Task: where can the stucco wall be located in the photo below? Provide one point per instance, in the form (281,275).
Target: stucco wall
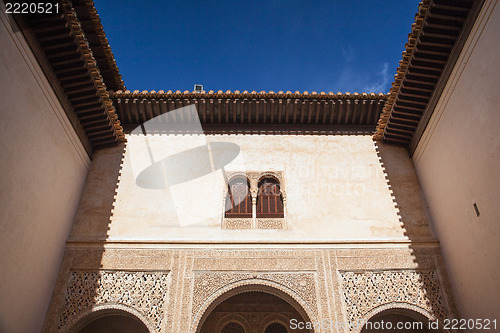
(338,188)
(457,161)
(43,168)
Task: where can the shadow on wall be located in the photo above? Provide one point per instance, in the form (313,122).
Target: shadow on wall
(432,283)
(76,292)
(99,194)
(201,160)
(403,183)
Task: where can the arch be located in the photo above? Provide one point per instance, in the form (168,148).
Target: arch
(232,327)
(244,286)
(271,174)
(233,318)
(269,198)
(398,308)
(236,174)
(276,327)
(103,310)
(238,200)
(273,319)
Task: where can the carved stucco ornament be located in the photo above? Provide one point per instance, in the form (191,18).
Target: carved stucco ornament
(145,292)
(417,290)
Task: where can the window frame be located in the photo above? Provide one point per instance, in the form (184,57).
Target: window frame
(264,197)
(276,222)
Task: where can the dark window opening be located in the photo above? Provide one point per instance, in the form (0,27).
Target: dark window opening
(276,328)
(233,328)
(238,199)
(269,199)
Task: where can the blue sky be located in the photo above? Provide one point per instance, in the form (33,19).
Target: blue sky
(346,46)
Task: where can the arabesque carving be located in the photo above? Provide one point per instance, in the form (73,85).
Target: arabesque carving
(144,291)
(238,223)
(270,223)
(363,291)
(208,283)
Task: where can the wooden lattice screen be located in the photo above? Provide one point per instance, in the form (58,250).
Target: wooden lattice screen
(239,200)
(269,199)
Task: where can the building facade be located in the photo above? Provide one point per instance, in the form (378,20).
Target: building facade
(244,211)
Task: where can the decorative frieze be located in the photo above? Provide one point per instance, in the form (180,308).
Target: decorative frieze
(264,223)
(247,223)
(237,223)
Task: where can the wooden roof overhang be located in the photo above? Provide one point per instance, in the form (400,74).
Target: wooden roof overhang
(98,43)
(63,51)
(264,112)
(437,37)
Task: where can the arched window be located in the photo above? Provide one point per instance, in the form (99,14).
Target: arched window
(238,199)
(111,321)
(232,328)
(269,199)
(408,320)
(276,328)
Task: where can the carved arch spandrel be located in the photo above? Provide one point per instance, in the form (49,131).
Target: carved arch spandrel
(364,291)
(144,291)
(249,283)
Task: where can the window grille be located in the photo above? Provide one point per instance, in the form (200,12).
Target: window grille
(269,199)
(239,200)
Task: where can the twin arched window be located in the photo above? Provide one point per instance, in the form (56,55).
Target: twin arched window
(269,202)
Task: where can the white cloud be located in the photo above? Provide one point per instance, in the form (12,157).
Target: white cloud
(381,84)
(347,53)
(353,79)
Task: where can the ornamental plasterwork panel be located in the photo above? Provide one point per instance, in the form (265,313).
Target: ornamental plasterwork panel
(207,284)
(269,223)
(301,283)
(373,259)
(145,292)
(363,291)
(248,223)
(238,223)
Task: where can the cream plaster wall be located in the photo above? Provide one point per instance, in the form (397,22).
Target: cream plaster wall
(457,161)
(43,167)
(336,190)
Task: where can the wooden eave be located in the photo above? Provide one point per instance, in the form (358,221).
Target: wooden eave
(91,25)
(252,112)
(64,54)
(440,29)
